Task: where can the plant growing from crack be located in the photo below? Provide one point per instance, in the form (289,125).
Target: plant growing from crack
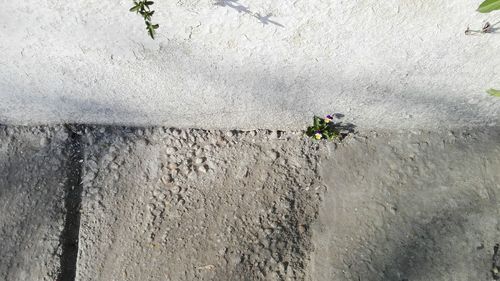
(323,128)
(143,8)
(487,6)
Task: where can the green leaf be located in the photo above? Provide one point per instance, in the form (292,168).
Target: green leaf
(149,3)
(151,29)
(493,92)
(310,131)
(489,6)
(316,122)
(147,15)
(135,8)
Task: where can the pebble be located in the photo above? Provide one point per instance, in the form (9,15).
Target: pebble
(302,229)
(203,169)
(170,150)
(272,154)
(183,135)
(44,142)
(393,209)
(181,202)
(166,179)
(273,134)
(64,136)
(191,175)
(172,166)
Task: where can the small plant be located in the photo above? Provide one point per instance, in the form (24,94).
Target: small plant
(143,7)
(486,7)
(323,128)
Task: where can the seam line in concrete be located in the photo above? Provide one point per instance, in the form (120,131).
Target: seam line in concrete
(72,202)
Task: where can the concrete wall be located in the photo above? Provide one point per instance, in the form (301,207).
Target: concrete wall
(396,63)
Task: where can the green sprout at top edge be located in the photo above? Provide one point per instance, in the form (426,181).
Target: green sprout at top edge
(143,8)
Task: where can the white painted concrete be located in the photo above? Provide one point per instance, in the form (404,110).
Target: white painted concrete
(396,63)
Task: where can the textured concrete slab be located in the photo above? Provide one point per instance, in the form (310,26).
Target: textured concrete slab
(197,205)
(33,177)
(411,206)
(169,204)
(248,64)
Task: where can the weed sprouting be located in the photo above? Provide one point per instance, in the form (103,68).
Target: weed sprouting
(323,128)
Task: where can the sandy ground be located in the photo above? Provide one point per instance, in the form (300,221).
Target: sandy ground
(169,204)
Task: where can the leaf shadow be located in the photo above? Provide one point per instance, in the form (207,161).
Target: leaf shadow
(240,8)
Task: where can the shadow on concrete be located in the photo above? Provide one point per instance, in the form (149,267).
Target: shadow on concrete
(77,107)
(419,254)
(344,128)
(240,8)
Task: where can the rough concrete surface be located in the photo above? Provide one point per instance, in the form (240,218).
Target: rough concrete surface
(197,205)
(33,176)
(170,204)
(248,64)
(206,205)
